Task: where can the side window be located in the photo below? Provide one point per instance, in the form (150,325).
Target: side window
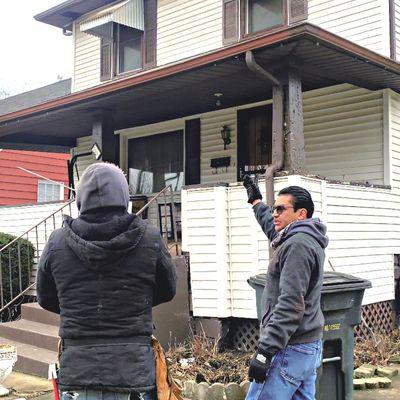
(264,14)
(128,49)
(48,191)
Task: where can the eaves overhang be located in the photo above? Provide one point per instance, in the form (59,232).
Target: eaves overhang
(64,14)
(322,56)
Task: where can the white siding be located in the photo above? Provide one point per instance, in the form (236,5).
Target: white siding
(363,227)
(186,28)
(212,145)
(343,130)
(395,139)
(16,220)
(86,60)
(397,27)
(365,22)
(204,224)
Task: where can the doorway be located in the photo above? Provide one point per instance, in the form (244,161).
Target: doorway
(254,151)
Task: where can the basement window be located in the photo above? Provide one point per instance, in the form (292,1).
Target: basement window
(49,191)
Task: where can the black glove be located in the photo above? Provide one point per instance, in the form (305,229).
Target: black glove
(259,365)
(253,192)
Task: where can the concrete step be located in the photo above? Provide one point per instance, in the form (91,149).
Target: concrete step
(32,333)
(31,359)
(33,312)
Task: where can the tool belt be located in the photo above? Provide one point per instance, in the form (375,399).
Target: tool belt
(105,340)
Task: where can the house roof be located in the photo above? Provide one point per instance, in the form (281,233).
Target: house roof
(35,97)
(65,13)
(187,87)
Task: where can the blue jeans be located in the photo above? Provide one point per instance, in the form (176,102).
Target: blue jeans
(106,395)
(292,374)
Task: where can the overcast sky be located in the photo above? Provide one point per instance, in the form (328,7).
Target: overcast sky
(33,54)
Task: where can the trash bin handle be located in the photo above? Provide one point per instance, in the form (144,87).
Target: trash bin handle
(332,359)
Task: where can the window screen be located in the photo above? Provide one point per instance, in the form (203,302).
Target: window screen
(155,162)
(48,191)
(264,14)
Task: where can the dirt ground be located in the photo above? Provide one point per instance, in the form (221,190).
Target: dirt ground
(392,393)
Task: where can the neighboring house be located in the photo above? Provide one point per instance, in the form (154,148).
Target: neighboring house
(20,187)
(157,85)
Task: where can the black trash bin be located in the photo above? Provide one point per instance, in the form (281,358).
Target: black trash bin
(341,298)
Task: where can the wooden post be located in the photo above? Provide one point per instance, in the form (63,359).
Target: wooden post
(103,135)
(295,149)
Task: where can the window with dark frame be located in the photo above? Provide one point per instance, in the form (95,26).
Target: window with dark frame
(130,49)
(263,14)
(154,162)
(248,17)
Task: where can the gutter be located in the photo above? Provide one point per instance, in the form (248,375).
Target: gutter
(277,124)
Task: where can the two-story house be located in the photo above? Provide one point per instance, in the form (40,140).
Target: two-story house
(197,93)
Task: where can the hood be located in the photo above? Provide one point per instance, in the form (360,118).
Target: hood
(101,241)
(102,185)
(312,226)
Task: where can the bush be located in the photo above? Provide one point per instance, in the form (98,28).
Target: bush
(21,252)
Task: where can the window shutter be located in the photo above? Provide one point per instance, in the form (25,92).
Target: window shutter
(105,60)
(150,34)
(298,11)
(192,152)
(230,21)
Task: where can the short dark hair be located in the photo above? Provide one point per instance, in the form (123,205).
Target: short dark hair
(301,198)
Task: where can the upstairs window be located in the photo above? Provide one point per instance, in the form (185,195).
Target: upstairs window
(264,14)
(129,49)
(48,191)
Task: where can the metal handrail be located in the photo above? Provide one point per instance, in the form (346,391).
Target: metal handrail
(18,296)
(35,226)
(68,204)
(153,199)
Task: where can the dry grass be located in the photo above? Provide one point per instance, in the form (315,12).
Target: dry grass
(377,349)
(209,364)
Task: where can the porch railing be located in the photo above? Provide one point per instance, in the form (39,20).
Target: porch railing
(21,277)
(21,270)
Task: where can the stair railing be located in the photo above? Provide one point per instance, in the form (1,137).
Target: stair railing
(11,301)
(20,274)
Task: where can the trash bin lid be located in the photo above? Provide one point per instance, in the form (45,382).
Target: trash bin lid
(337,282)
(257,280)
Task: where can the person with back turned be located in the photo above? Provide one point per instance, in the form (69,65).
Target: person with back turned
(289,351)
(103,272)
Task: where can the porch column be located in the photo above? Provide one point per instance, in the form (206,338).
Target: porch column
(103,136)
(295,160)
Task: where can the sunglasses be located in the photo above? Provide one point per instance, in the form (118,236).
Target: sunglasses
(280,209)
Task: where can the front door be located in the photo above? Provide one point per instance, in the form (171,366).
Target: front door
(254,140)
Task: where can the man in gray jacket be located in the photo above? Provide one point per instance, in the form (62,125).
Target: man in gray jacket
(290,347)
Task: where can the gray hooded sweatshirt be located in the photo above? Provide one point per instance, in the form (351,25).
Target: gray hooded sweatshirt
(292,294)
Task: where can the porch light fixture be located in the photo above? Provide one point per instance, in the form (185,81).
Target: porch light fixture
(226,135)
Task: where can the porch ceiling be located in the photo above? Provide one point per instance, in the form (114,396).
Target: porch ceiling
(187,88)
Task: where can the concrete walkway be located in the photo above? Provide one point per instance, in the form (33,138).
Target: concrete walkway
(33,387)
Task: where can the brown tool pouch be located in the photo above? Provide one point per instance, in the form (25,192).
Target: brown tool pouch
(167,388)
